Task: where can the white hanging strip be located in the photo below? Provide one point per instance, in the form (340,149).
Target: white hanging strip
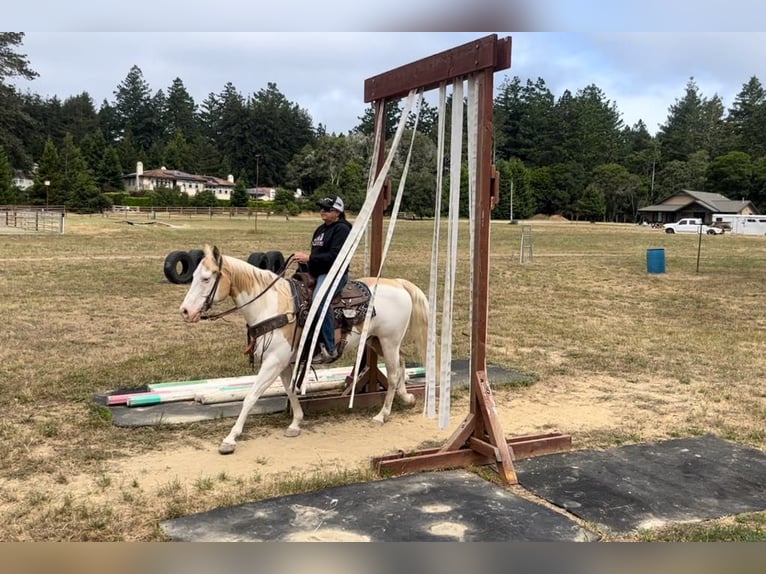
(349,247)
(384,253)
(456,148)
(429,406)
(473,115)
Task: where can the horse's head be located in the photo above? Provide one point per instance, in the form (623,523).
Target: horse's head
(209,285)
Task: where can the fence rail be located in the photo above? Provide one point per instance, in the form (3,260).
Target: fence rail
(128,212)
(31,219)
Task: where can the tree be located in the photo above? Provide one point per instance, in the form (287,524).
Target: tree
(7,194)
(177,154)
(79,116)
(48,170)
(134,110)
(109,174)
(180,111)
(205,198)
(617,189)
(353,186)
(239,196)
(731,175)
(284,203)
(693,123)
(514,187)
(673,178)
(592,204)
(746,119)
(13,119)
(391,114)
(79,189)
(278,129)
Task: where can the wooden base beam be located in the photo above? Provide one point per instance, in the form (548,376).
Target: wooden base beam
(525,446)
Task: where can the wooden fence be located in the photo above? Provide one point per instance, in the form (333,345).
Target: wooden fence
(31,219)
(131,212)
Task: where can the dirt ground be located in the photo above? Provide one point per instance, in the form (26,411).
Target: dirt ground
(591,409)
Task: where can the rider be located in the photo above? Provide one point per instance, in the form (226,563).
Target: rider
(326,244)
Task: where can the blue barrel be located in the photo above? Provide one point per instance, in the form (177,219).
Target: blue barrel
(655,261)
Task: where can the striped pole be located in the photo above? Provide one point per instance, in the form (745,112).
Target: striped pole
(176,391)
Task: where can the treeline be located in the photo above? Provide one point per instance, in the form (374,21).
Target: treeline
(570,155)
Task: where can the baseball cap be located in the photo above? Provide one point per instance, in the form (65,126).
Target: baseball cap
(331,202)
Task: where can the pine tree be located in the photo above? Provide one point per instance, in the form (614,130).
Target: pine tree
(180,111)
(80,191)
(239,196)
(110,173)
(7,194)
(49,169)
(133,109)
(13,119)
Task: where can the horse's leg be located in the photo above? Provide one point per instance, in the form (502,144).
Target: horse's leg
(395,375)
(267,374)
(295,426)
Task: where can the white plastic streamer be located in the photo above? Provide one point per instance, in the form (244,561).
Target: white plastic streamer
(349,248)
(456,148)
(429,406)
(386,245)
(473,115)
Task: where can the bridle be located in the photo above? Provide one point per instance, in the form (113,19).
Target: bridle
(209,298)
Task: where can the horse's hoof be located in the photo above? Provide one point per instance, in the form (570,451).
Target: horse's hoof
(378,420)
(409,399)
(226,448)
(291,432)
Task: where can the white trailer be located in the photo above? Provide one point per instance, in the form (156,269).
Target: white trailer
(741,224)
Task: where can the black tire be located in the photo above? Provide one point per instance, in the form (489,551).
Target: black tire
(711,232)
(258,259)
(669,230)
(172,261)
(196,255)
(276,261)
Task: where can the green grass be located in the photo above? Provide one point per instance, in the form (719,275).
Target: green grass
(678,354)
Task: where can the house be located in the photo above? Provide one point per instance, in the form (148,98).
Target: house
(188,183)
(262,193)
(688,203)
(22,180)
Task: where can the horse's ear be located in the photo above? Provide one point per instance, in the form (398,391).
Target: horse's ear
(208,252)
(216,253)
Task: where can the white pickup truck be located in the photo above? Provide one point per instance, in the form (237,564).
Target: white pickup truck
(691,225)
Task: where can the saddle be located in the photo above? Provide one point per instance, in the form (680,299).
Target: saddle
(349,307)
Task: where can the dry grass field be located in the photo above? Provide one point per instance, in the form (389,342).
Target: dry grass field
(618,356)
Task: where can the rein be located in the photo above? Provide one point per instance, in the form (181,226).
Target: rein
(209,299)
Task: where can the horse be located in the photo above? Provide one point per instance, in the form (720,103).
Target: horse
(260,295)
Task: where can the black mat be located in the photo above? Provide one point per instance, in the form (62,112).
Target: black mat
(183,412)
(647,485)
(443,506)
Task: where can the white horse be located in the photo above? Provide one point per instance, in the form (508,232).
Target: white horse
(261,295)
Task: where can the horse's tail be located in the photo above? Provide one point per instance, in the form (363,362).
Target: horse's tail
(418,329)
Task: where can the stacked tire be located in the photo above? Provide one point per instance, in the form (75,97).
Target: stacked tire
(271,260)
(179,266)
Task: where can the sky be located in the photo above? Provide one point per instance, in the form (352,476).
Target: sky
(640,54)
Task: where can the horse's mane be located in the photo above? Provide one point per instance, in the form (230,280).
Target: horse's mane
(245,277)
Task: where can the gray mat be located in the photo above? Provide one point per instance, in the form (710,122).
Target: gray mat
(647,485)
(443,506)
(182,412)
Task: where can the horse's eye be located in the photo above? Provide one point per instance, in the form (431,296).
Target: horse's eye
(205,279)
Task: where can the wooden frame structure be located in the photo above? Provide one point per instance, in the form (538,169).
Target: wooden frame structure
(479,439)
